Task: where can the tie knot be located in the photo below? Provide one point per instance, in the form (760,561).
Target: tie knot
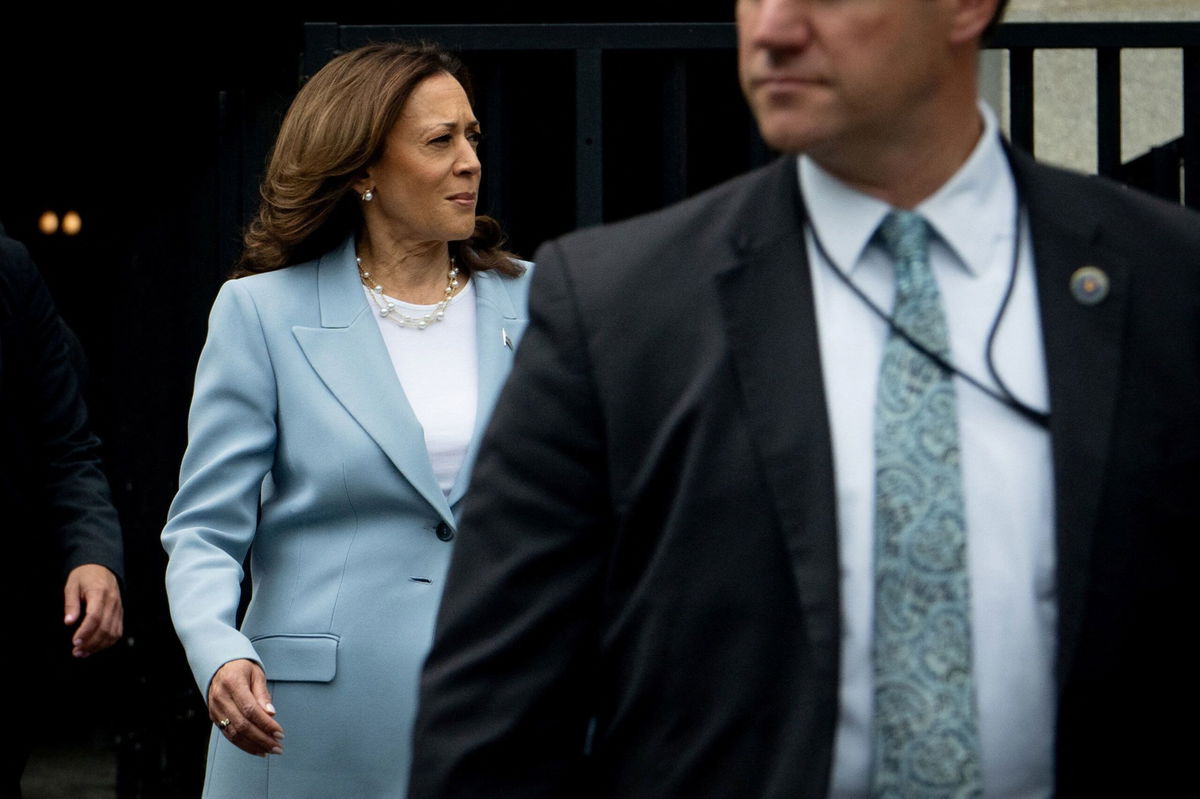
(905,235)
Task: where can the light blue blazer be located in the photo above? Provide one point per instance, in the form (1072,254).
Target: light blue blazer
(304,452)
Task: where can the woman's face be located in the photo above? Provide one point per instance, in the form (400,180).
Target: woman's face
(427,180)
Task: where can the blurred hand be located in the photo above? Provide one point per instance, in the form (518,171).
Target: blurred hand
(92,589)
(238,694)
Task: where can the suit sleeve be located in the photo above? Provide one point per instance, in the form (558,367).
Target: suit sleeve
(506,691)
(44,368)
(212,521)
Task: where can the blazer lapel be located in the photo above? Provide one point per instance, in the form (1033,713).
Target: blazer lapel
(498,330)
(770,323)
(349,355)
(1083,345)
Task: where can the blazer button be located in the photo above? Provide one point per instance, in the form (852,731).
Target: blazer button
(444,533)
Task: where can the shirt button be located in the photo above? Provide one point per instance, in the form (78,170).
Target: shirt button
(444,533)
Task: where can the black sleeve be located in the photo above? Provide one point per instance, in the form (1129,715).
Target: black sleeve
(52,450)
(507,690)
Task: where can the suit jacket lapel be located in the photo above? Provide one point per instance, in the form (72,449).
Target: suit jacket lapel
(770,324)
(498,330)
(349,355)
(1083,345)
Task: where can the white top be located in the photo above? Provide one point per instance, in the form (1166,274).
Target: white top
(438,369)
(1006,459)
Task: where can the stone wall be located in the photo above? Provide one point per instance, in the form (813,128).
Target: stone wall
(1065,81)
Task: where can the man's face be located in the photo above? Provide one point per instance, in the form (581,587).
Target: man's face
(837,76)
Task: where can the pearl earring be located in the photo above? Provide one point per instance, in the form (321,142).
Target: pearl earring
(368,195)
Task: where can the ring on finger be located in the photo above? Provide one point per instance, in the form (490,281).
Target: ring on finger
(223,724)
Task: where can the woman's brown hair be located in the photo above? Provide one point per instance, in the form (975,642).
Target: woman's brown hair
(336,127)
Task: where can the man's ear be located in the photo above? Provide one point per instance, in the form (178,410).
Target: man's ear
(970,19)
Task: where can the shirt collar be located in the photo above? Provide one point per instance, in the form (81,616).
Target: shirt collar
(969,213)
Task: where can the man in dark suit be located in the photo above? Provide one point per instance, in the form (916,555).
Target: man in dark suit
(677,573)
(59,522)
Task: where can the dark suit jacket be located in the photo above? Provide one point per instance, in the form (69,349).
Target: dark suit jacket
(54,499)
(648,566)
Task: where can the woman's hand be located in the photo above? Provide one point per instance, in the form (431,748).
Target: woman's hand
(240,705)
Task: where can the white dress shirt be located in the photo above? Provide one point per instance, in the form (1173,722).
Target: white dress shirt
(1006,459)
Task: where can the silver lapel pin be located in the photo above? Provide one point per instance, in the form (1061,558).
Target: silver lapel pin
(505,339)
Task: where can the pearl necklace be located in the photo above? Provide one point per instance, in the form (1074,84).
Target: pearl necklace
(387,308)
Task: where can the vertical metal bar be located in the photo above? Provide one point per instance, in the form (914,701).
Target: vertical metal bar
(1020,96)
(1108,111)
(589,127)
(757,150)
(1191,126)
(320,45)
(675,140)
(229,182)
(497,169)
(1165,164)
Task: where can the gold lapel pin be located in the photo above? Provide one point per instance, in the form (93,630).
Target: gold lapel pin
(1089,285)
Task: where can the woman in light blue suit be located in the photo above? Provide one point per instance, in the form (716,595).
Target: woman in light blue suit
(338,404)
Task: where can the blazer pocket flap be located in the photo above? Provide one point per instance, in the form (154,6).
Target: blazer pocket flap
(298,658)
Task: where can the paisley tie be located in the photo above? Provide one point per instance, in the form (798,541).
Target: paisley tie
(925,736)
